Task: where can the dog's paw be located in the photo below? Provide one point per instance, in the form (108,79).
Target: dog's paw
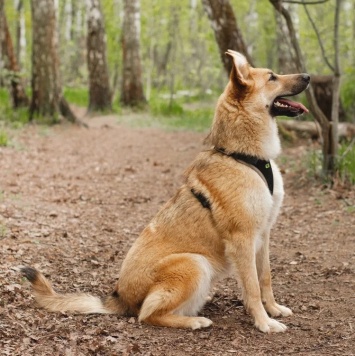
(200,322)
(271,326)
(278,310)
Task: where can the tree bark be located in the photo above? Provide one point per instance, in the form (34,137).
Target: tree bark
(132,84)
(334,135)
(99,86)
(284,48)
(18,94)
(226,30)
(19,31)
(313,105)
(47,98)
(323,91)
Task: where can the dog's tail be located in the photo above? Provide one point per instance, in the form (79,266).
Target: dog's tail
(81,303)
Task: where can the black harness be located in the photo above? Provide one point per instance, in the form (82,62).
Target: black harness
(202,199)
(261,166)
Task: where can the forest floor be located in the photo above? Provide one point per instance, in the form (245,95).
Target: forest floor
(73,200)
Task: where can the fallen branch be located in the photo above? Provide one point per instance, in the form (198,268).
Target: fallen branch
(312,129)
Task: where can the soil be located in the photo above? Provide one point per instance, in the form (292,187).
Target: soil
(72,201)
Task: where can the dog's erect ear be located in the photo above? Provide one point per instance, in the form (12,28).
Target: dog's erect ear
(240,70)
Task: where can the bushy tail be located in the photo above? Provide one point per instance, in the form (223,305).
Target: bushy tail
(80,303)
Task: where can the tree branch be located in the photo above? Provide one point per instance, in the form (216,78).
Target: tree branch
(300,64)
(318,37)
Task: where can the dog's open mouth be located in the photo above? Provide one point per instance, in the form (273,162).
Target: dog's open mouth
(285,107)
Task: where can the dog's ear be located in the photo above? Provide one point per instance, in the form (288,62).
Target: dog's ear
(240,70)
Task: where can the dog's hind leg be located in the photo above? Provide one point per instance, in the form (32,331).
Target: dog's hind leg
(180,289)
(264,275)
(241,251)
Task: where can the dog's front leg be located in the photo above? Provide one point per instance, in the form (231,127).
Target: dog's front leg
(264,275)
(241,251)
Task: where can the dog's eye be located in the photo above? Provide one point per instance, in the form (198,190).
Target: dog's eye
(272,77)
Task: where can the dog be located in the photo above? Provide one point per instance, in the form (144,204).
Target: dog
(217,223)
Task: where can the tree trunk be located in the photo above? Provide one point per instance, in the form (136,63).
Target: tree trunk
(226,30)
(99,86)
(18,94)
(47,98)
(284,48)
(323,86)
(313,105)
(334,135)
(20,28)
(132,83)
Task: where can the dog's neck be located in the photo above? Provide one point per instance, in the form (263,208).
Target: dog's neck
(261,166)
(237,130)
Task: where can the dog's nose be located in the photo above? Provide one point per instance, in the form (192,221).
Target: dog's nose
(306,77)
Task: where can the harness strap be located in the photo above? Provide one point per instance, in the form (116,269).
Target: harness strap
(201,198)
(261,166)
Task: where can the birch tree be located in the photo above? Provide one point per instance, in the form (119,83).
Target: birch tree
(99,86)
(226,30)
(132,83)
(47,98)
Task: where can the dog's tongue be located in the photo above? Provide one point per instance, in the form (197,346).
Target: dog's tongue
(293,104)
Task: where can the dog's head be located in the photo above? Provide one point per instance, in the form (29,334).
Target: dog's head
(244,118)
(261,90)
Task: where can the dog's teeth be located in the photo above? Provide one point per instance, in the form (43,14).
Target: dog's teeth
(276,103)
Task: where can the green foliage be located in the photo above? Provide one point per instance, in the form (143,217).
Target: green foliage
(186,113)
(346,162)
(196,120)
(348,94)
(314,163)
(3,138)
(77,96)
(16,118)
(159,107)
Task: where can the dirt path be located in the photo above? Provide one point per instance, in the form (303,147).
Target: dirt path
(73,200)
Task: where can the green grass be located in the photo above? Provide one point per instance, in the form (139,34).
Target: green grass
(77,96)
(195,120)
(178,114)
(15,118)
(80,97)
(4,140)
(346,162)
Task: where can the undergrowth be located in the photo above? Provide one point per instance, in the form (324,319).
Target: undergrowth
(80,97)
(345,163)
(15,118)
(185,114)
(4,140)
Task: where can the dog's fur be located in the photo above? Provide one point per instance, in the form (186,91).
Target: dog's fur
(168,272)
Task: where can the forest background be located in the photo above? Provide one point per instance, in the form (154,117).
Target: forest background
(181,66)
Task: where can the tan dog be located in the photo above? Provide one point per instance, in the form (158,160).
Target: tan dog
(218,221)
